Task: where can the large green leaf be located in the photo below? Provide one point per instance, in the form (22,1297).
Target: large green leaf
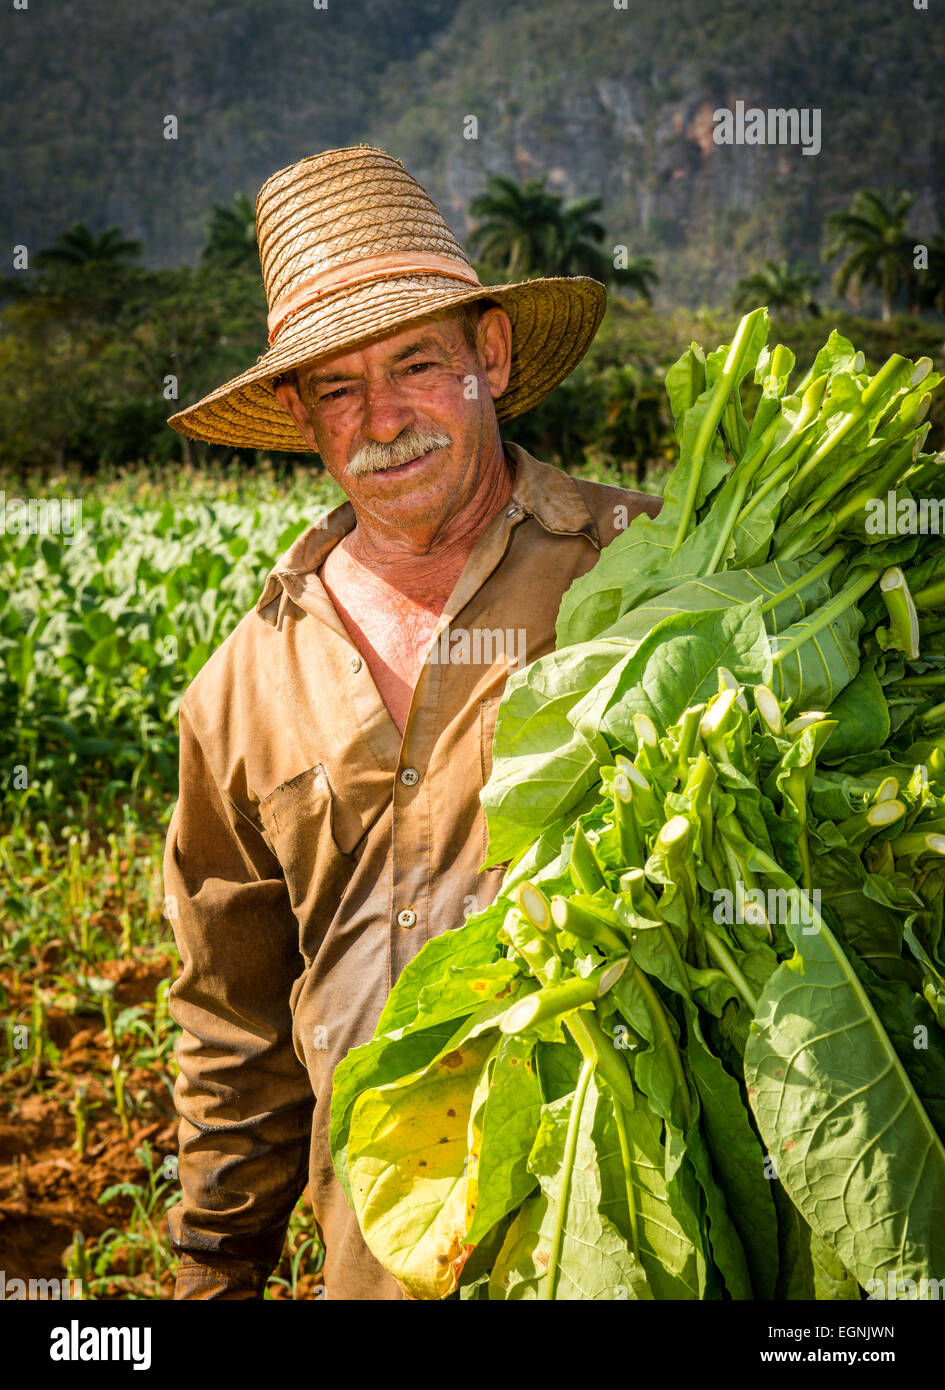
(409,1166)
(674,1264)
(451,978)
(499,1176)
(814,673)
(635,567)
(862,716)
(541,766)
(595,1262)
(725,590)
(677,666)
(737,1160)
(472,946)
(854,1146)
(382,1060)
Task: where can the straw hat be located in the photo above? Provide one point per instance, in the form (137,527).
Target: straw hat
(353,248)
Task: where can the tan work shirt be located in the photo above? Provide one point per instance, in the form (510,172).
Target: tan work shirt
(313,852)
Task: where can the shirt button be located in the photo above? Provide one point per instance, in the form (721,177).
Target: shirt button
(355,663)
(407,917)
(410,777)
(512,511)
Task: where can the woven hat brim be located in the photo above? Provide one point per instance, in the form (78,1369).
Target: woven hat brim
(553,323)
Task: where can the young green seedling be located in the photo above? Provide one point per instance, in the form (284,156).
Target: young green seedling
(36,1028)
(81,1119)
(108,1015)
(121,1103)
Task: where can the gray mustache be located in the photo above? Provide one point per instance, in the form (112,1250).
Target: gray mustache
(375,457)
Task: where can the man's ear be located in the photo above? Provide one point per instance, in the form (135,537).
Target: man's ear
(291,402)
(494,348)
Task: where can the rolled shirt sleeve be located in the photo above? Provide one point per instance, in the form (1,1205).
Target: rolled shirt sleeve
(244,1099)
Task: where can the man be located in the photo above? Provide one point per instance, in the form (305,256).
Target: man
(333,749)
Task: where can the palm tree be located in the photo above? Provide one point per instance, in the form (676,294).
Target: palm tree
(80,247)
(638,274)
(518,226)
(872,236)
(231,235)
(578,249)
(525,231)
(785,289)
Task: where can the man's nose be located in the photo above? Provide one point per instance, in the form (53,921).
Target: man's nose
(385,412)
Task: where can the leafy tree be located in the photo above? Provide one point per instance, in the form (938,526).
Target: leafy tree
(81,247)
(518,226)
(784,288)
(525,231)
(96,359)
(231,236)
(578,240)
(871,234)
(638,274)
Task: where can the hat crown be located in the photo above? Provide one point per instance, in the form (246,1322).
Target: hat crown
(342,207)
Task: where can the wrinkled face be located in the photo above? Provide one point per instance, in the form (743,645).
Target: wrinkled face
(406,424)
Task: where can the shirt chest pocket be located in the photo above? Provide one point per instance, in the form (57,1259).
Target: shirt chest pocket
(299,823)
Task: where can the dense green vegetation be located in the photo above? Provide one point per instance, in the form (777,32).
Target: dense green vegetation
(98,640)
(101,632)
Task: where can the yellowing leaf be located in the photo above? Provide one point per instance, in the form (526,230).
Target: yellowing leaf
(409,1173)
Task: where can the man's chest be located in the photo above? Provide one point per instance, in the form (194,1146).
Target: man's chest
(391,630)
(392,634)
(315,687)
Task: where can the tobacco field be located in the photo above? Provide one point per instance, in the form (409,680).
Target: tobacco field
(99,639)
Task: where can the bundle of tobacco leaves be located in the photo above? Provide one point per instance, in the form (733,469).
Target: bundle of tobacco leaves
(696,1048)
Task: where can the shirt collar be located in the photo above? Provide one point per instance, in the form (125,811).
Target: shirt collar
(551,496)
(539,489)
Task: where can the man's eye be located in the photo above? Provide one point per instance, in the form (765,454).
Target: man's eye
(420,366)
(334,395)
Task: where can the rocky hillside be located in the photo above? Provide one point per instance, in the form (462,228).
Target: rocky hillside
(616,102)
